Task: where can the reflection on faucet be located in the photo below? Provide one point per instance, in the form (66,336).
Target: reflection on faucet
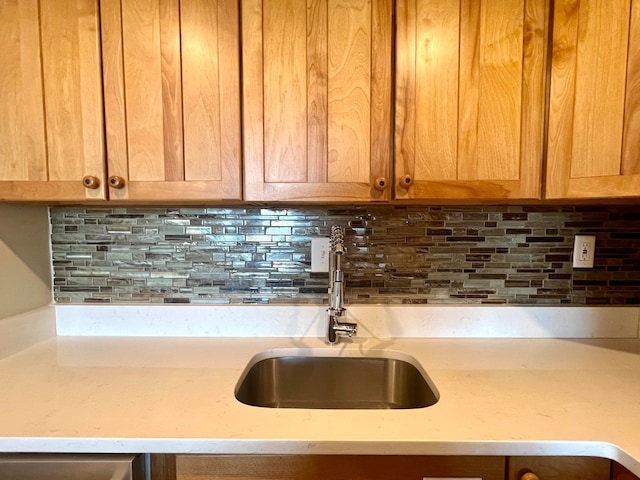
(336,328)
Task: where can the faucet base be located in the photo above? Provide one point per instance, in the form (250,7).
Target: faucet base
(337,329)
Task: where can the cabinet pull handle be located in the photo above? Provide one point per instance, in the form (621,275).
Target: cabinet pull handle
(406,181)
(380,183)
(116,182)
(91,182)
(529,476)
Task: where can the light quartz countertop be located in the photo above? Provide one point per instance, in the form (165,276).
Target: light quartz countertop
(74,392)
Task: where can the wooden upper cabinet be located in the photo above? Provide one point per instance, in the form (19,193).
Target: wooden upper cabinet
(317,99)
(470,81)
(172,99)
(594,107)
(51,127)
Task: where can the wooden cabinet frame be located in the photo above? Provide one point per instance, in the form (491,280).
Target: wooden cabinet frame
(51,132)
(470,99)
(172,99)
(317,126)
(594,105)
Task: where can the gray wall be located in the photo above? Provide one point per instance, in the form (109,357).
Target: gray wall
(25,263)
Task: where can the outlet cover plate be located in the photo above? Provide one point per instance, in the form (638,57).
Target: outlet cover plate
(319,254)
(584,248)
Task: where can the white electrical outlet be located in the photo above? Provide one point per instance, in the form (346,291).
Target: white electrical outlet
(319,254)
(584,248)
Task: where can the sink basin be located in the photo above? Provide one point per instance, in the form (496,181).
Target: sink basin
(335,382)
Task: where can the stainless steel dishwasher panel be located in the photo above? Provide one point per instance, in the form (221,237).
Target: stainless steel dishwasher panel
(30,466)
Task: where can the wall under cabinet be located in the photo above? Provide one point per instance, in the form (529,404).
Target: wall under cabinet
(25,265)
(395,254)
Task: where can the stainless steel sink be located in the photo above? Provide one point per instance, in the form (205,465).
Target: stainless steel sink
(336,382)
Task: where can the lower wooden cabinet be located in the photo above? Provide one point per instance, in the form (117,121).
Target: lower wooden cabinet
(558,468)
(325,467)
(618,472)
(383,467)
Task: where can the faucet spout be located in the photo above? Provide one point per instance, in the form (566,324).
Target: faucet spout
(336,328)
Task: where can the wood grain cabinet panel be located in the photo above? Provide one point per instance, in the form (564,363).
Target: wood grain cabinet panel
(172,99)
(51,133)
(383,467)
(326,467)
(618,472)
(558,468)
(594,105)
(469,98)
(317,99)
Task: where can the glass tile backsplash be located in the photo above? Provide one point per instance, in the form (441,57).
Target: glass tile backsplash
(395,254)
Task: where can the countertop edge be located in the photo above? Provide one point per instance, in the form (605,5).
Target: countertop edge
(288,447)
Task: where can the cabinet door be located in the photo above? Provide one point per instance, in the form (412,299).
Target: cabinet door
(51,128)
(317,99)
(594,110)
(172,99)
(331,467)
(558,468)
(469,98)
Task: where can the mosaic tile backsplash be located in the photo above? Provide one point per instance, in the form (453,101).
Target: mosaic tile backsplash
(395,254)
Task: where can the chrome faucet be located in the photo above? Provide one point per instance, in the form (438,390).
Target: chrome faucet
(336,310)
